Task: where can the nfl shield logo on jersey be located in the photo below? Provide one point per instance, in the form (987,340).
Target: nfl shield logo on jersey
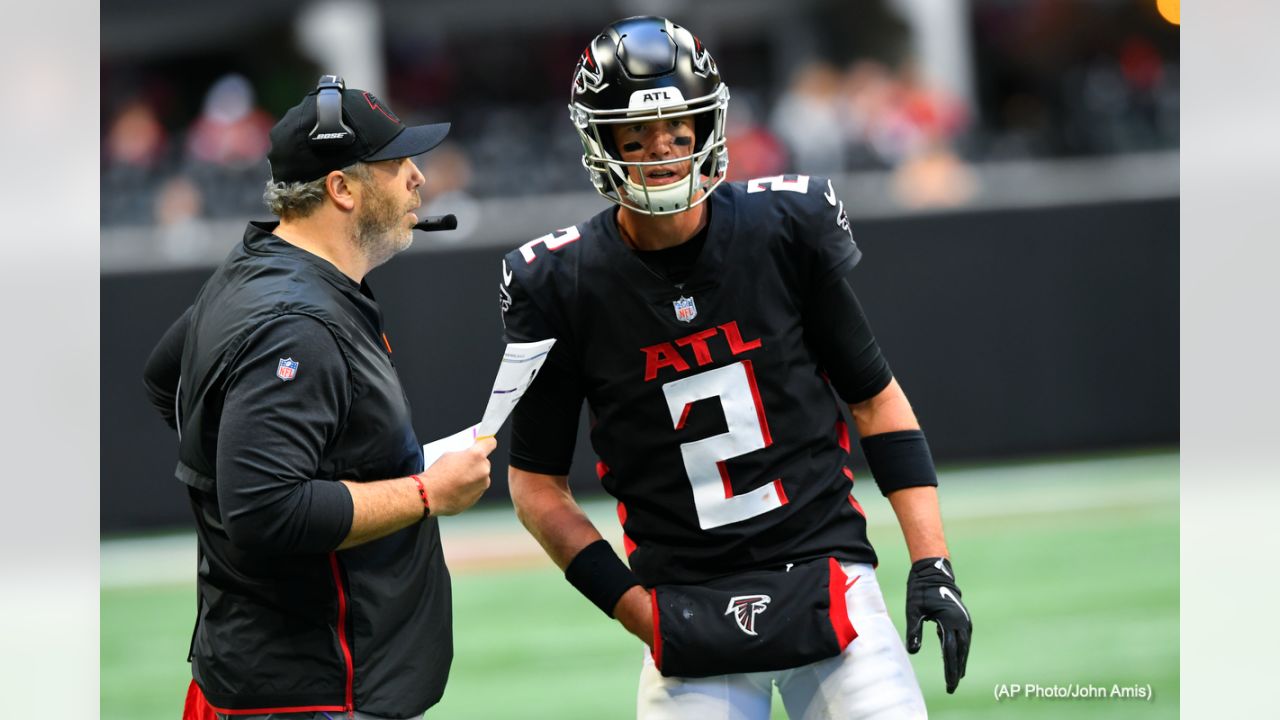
(287,369)
(686,311)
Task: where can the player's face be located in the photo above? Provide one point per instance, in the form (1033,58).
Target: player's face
(669,139)
(385,220)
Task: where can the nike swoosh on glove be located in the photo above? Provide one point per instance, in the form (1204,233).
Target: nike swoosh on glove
(932,595)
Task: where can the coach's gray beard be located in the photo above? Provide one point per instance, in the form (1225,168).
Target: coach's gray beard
(380,228)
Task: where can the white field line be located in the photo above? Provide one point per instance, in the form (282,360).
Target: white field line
(493,538)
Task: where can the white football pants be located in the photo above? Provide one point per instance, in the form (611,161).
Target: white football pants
(872,678)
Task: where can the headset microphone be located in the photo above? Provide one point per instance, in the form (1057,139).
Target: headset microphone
(437,222)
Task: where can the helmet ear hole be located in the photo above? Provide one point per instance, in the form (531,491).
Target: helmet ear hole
(608,145)
(703,126)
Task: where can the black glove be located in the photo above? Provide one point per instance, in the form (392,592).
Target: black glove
(932,595)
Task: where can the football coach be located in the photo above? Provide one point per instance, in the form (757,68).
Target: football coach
(321,586)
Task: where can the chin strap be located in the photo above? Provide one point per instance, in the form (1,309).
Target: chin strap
(666,198)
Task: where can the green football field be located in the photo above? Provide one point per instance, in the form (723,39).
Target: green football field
(1069,567)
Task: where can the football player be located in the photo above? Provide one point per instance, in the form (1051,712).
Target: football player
(712,332)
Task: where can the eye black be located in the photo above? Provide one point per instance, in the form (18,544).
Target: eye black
(683,140)
(632,146)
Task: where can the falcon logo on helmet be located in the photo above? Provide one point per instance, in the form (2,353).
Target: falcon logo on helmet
(640,70)
(745,608)
(703,63)
(588,76)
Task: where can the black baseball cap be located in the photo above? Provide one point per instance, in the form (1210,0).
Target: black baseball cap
(334,127)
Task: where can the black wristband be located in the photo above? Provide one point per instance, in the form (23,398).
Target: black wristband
(900,460)
(599,574)
(933,566)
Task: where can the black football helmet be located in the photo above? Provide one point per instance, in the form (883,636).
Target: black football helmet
(638,70)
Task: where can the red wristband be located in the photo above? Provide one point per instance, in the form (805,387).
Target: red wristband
(422,490)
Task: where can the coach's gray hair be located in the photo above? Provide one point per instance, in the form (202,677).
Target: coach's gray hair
(294,200)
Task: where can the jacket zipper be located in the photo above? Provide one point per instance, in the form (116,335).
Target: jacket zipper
(349,704)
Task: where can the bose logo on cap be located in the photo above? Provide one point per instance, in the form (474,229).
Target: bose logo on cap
(330,136)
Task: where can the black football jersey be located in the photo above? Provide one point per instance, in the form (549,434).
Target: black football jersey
(715,427)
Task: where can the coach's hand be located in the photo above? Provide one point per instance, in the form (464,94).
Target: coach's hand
(635,611)
(932,595)
(457,480)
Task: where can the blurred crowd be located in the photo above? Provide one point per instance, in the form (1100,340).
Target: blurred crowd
(824,118)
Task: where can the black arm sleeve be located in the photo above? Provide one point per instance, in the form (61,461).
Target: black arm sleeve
(273,434)
(838,331)
(544,425)
(164,367)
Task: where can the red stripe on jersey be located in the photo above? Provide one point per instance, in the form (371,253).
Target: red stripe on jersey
(342,634)
(755,395)
(627,545)
(842,435)
(657,632)
(601,469)
(837,585)
(684,416)
(854,502)
(728,486)
(724,478)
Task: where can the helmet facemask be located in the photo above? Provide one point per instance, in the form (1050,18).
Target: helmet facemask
(708,163)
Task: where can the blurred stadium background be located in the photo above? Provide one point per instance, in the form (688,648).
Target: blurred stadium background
(1011,171)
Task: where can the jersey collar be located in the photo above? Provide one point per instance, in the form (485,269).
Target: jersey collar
(706,270)
(260,240)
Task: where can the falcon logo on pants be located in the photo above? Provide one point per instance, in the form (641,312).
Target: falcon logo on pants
(745,609)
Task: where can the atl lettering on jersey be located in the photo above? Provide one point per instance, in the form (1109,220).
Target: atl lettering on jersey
(666,354)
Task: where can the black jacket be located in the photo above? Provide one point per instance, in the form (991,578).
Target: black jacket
(286,386)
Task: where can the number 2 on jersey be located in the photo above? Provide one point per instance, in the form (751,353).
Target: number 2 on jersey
(704,460)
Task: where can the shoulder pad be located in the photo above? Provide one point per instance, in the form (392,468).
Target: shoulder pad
(547,244)
(780,183)
(793,191)
(799,199)
(537,263)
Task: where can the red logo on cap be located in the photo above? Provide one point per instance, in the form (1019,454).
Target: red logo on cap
(374,104)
